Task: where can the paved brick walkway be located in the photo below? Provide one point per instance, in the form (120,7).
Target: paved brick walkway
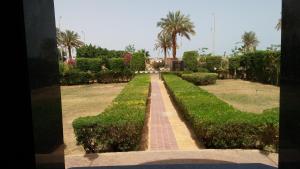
(161,134)
(167,131)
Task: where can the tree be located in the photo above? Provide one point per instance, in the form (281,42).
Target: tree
(176,24)
(250,41)
(163,42)
(278,25)
(87,51)
(145,52)
(70,39)
(190,59)
(137,62)
(130,48)
(59,43)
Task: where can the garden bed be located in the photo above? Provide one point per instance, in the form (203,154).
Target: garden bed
(219,125)
(120,126)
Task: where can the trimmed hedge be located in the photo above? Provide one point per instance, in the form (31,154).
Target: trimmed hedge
(219,125)
(116,64)
(89,64)
(261,66)
(201,78)
(109,76)
(119,127)
(75,77)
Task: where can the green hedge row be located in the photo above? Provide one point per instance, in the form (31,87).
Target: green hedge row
(119,127)
(260,66)
(76,77)
(201,78)
(219,125)
(89,64)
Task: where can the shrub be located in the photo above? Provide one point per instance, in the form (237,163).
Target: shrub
(109,76)
(75,76)
(190,60)
(217,124)
(213,62)
(119,127)
(202,69)
(127,58)
(261,66)
(180,73)
(201,78)
(87,51)
(116,64)
(89,64)
(91,51)
(138,62)
(234,64)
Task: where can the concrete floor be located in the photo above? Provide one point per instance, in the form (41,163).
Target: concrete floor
(203,156)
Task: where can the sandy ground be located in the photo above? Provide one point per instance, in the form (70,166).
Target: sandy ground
(245,95)
(84,100)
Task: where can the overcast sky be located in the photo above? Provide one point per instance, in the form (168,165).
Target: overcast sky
(114,24)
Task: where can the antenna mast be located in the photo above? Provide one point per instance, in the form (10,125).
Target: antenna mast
(214,34)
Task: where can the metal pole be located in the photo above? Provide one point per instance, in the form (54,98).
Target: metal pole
(83,36)
(214,36)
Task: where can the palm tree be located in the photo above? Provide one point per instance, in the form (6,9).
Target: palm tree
(176,24)
(69,39)
(145,52)
(278,25)
(58,40)
(163,42)
(250,41)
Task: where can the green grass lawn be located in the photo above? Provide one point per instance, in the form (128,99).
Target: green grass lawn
(84,100)
(246,96)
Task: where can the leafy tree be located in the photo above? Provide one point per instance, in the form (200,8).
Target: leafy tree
(138,62)
(145,52)
(213,63)
(234,64)
(130,48)
(87,51)
(274,48)
(190,59)
(175,24)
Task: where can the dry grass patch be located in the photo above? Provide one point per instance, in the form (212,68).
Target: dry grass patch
(246,96)
(84,100)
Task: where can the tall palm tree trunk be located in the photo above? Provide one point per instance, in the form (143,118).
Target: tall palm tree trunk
(165,57)
(70,54)
(165,54)
(174,45)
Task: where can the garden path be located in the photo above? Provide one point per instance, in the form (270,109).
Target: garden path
(167,131)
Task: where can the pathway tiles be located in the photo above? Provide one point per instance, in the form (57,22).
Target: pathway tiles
(167,129)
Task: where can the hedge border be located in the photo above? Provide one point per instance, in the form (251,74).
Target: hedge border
(265,130)
(106,132)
